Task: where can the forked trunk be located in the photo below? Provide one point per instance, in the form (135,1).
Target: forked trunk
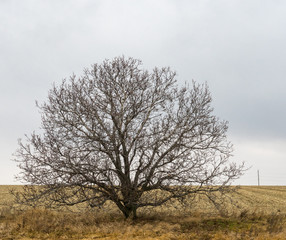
(127,211)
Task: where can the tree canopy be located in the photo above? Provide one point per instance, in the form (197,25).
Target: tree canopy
(124,134)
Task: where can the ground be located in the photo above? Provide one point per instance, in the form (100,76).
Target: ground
(254,213)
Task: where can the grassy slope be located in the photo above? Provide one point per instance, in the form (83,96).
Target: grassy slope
(259,214)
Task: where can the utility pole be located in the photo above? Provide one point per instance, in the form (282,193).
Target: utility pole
(258,180)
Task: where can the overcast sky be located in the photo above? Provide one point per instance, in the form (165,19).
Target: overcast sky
(237,47)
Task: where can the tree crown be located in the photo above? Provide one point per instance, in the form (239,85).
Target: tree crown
(121,133)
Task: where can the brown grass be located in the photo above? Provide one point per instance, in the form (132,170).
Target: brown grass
(259,213)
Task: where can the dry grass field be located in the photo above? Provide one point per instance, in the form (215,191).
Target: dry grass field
(255,213)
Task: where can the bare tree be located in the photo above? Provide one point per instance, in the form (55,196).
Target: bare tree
(126,135)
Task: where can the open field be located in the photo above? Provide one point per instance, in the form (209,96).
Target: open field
(256,213)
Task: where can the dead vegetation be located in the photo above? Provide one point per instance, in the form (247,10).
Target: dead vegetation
(257,213)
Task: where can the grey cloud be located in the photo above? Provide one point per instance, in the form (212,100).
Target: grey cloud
(238,47)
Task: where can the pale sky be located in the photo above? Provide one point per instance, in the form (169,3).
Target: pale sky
(238,47)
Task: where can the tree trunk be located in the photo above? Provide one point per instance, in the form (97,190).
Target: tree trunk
(126,214)
(128,210)
(134,213)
